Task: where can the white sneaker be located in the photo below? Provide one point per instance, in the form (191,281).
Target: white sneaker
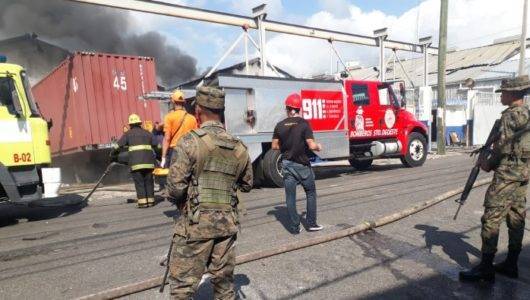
(205,277)
(315,228)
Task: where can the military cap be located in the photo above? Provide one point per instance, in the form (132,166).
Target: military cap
(210,97)
(519,83)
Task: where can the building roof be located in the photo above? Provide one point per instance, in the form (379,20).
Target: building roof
(229,70)
(460,65)
(29,37)
(35,55)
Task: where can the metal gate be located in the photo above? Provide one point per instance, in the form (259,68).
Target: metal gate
(487,109)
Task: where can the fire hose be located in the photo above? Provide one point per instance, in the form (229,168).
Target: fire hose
(261,254)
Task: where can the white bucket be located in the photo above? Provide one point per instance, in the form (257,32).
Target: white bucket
(51,178)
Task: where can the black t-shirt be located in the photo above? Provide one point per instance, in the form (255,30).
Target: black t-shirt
(293,133)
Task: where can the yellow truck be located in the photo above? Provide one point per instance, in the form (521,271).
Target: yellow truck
(24,143)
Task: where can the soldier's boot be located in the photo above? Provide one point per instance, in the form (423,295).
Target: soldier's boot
(482,272)
(142,203)
(150,201)
(509,266)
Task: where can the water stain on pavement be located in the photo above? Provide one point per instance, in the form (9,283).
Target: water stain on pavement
(100,225)
(399,258)
(40,236)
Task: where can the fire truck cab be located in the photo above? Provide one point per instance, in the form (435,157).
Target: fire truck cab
(24,144)
(380,127)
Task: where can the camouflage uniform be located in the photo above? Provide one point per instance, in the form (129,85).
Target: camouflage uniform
(506,196)
(207,168)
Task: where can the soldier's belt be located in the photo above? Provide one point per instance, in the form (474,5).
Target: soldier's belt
(214,206)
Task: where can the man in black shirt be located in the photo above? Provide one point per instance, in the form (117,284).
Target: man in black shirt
(294,138)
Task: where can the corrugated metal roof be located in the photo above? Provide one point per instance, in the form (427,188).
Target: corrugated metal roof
(480,63)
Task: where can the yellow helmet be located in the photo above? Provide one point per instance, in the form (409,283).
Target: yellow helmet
(134,119)
(177,96)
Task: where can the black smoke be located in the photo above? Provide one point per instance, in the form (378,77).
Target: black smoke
(83,27)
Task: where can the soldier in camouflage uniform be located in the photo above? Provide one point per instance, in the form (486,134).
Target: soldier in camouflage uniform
(506,195)
(208,167)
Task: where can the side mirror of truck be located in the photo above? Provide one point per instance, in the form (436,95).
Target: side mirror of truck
(16,103)
(403,94)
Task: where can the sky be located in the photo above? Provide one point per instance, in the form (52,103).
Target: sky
(472,23)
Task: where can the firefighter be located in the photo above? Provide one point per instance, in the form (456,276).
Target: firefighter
(208,168)
(177,123)
(294,138)
(139,143)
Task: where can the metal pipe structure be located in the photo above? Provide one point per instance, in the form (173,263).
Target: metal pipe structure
(425,42)
(181,11)
(339,57)
(394,68)
(224,56)
(522,55)
(404,71)
(382,65)
(260,14)
(257,48)
(247,67)
(381,35)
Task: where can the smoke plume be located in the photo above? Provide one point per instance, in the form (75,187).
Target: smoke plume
(90,28)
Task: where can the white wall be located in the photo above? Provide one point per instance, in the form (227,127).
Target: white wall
(487,109)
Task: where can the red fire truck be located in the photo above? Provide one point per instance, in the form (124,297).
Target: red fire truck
(353,119)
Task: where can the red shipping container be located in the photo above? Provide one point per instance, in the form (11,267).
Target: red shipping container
(89,97)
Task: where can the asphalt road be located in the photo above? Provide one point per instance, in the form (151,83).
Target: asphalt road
(63,253)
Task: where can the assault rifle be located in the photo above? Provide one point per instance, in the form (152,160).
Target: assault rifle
(166,261)
(485,154)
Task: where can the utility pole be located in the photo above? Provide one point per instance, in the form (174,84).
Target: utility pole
(522,57)
(442,50)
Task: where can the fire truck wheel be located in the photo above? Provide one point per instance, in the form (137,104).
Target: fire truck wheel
(259,175)
(361,165)
(272,168)
(416,151)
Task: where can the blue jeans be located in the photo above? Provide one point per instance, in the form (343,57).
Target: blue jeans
(294,174)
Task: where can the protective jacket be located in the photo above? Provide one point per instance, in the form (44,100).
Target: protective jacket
(139,144)
(209,167)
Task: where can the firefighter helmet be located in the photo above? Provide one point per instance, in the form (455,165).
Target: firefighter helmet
(134,119)
(293,101)
(177,96)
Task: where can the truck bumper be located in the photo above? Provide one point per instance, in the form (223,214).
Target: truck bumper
(21,185)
